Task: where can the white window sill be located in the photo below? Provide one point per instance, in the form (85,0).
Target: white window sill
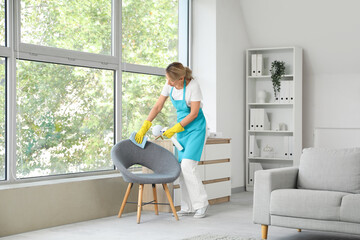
(24,183)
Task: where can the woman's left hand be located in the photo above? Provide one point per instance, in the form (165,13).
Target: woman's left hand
(175,129)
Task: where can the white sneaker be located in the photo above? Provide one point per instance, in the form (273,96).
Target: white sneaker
(184,213)
(200,213)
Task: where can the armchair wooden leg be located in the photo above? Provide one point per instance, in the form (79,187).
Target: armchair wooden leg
(264,231)
(170,201)
(155,199)
(125,199)
(141,189)
(299,230)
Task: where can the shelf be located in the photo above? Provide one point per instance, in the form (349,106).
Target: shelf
(267,158)
(271,132)
(285,77)
(277,105)
(271,49)
(275,160)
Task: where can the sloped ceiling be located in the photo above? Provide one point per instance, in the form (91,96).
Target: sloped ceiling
(327,30)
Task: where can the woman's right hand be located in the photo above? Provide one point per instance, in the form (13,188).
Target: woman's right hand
(141,133)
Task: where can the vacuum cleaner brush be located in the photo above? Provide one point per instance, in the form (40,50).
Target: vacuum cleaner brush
(142,145)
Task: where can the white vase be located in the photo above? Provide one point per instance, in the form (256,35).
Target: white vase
(277,97)
(261,96)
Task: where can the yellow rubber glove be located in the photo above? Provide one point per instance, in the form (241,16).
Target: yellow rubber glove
(175,129)
(141,133)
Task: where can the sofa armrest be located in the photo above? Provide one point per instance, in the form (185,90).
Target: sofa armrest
(265,182)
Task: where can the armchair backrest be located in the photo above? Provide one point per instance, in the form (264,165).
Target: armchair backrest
(330,169)
(125,154)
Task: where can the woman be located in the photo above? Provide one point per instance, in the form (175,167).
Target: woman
(185,94)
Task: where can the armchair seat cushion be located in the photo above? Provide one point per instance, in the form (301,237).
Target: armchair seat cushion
(350,208)
(150,178)
(304,203)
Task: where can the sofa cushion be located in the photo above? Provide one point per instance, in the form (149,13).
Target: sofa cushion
(350,208)
(302,203)
(330,169)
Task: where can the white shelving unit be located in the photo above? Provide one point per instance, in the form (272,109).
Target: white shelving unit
(286,144)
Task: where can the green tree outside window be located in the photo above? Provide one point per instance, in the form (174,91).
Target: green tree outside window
(2,23)
(150,32)
(140,93)
(68,24)
(65,119)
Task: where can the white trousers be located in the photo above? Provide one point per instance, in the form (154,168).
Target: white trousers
(193,194)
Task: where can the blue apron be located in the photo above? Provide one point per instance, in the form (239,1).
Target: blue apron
(192,139)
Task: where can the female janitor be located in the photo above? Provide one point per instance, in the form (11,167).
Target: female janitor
(185,94)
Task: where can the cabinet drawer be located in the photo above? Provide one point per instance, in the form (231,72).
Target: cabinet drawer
(213,190)
(218,190)
(177,197)
(217,151)
(218,170)
(200,169)
(202,158)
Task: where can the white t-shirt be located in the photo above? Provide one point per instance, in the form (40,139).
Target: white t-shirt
(192,93)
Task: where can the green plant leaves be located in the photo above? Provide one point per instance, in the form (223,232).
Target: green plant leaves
(277,71)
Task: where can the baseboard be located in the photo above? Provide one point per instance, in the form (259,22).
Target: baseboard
(238,190)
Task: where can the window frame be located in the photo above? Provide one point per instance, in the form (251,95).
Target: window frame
(15,50)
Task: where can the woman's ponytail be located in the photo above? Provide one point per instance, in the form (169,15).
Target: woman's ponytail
(188,74)
(176,70)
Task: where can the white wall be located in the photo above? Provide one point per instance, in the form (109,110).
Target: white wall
(231,42)
(329,33)
(31,206)
(219,42)
(204,54)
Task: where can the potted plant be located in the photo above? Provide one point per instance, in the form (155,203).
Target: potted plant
(277,71)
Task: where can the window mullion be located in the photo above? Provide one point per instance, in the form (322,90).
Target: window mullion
(11,119)
(14,24)
(56,55)
(184,32)
(142,69)
(11,93)
(66,60)
(5,51)
(117,52)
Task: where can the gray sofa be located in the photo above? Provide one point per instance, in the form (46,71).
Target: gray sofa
(323,193)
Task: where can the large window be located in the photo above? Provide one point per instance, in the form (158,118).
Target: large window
(78,76)
(65,119)
(75,25)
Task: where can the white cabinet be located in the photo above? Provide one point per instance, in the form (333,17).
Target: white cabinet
(215,171)
(274,126)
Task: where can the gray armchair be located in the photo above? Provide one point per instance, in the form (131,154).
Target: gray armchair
(322,194)
(162,162)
